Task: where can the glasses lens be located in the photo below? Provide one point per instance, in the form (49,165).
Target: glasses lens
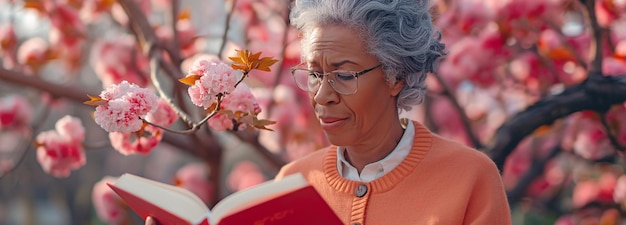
(306,80)
(345,82)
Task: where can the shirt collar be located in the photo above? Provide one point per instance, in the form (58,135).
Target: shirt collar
(379,168)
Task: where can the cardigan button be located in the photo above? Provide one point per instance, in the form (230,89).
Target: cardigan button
(360,190)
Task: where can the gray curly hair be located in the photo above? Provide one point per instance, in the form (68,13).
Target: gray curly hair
(400,33)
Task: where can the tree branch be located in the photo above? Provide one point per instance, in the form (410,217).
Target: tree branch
(596,93)
(455,103)
(56,90)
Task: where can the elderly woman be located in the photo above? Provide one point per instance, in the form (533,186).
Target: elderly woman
(363,62)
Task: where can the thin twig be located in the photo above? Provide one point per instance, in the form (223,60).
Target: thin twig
(191,130)
(157,85)
(596,49)
(457,107)
(279,71)
(610,133)
(536,169)
(175,53)
(579,59)
(229,14)
(38,125)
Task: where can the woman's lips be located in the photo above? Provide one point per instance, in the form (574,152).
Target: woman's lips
(329,123)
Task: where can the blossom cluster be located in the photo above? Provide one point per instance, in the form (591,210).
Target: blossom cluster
(59,151)
(215,78)
(240,102)
(124,105)
(143,142)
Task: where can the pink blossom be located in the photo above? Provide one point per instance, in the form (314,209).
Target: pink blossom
(616,65)
(126,103)
(71,128)
(69,47)
(619,194)
(8,45)
(92,9)
(584,193)
(241,100)
(216,78)
(565,220)
(34,52)
(58,155)
(244,175)
(15,112)
(195,178)
(108,205)
(67,20)
(118,60)
(586,136)
(164,115)
(475,58)
(133,143)
(186,36)
(221,122)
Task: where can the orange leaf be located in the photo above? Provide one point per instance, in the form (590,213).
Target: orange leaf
(95,101)
(265,63)
(184,14)
(260,124)
(190,80)
(238,67)
(254,57)
(38,144)
(211,108)
(543,130)
(35,5)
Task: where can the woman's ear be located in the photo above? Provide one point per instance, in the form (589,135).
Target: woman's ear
(396,87)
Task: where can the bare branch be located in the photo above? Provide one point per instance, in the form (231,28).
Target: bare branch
(27,80)
(596,93)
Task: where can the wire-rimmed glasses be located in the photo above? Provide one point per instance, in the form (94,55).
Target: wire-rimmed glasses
(342,81)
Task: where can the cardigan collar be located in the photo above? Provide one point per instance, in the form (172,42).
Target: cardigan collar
(422,142)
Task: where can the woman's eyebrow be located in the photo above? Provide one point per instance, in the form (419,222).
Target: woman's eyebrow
(338,64)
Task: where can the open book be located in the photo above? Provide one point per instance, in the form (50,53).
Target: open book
(288,201)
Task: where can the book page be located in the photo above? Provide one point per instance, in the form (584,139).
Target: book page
(244,198)
(176,200)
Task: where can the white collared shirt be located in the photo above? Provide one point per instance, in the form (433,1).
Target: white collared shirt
(379,168)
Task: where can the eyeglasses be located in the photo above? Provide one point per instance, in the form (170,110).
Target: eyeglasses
(342,81)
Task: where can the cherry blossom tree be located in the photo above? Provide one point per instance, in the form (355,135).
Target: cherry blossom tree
(539,86)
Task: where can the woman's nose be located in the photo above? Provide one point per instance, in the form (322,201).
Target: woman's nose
(326,94)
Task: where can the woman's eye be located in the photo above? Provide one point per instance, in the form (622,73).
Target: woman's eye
(315,75)
(344,76)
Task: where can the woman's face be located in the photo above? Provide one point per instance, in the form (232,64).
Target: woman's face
(349,120)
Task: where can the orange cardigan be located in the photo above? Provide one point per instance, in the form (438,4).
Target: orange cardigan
(439,182)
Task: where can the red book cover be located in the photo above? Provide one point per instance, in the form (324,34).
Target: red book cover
(145,208)
(288,201)
(303,207)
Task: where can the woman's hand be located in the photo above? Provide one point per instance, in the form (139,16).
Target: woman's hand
(150,221)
